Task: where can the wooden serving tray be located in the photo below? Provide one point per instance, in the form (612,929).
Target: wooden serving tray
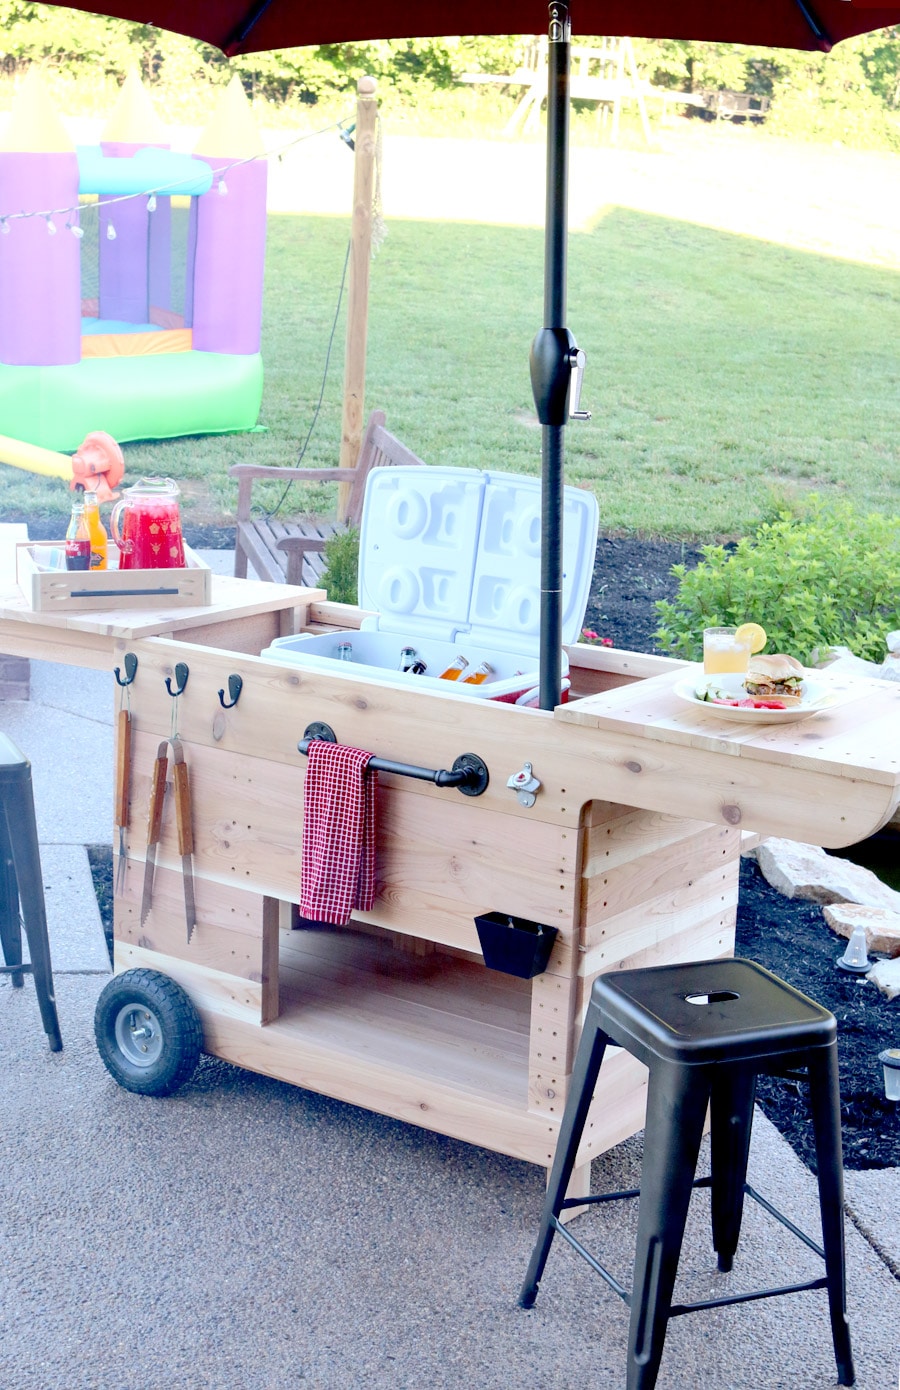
(77,591)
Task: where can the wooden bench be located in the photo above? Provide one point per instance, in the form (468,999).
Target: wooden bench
(292,551)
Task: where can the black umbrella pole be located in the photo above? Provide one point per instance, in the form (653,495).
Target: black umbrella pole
(552,456)
(550,358)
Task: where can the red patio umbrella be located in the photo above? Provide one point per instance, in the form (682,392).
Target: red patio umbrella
(252,26)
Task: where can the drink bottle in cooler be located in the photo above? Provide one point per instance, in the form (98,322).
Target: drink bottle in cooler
(480,674)
(454,670)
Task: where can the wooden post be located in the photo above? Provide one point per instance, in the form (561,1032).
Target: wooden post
(358,295)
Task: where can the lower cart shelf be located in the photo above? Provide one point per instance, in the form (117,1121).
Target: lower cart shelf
(435,1017)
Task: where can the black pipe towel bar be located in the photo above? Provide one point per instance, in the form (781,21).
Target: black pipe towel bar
(469,772)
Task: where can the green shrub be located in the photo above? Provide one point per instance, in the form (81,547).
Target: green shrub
(341,566)
(828,577)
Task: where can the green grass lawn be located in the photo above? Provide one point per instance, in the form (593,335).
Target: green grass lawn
(725,375)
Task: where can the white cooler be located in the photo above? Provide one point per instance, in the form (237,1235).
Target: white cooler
(450,560)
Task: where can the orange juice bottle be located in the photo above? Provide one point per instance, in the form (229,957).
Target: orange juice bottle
(96,530)
(454,670)
(480,674)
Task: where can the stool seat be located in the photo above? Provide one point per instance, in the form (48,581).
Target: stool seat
(22,887)
(705,1031)
(710,1011)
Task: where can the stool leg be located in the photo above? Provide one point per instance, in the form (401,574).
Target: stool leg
(26,855)
(676,1110)
(731,1114)
(581,1093)
(10,921)
(826,1113)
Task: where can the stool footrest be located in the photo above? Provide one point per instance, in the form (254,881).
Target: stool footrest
(26,968)
(677,1309)
(780,1216)
(594,1263)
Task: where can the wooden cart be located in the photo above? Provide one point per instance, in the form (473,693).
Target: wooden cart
(630,849)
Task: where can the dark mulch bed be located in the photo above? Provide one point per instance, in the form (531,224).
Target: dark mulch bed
(788,937)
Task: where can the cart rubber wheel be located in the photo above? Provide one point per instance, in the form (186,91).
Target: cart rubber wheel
(148,1032)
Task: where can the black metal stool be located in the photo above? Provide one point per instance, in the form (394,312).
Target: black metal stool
(705,1031)
(22,887)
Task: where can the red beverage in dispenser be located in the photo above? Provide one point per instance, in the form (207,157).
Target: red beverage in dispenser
(146,526)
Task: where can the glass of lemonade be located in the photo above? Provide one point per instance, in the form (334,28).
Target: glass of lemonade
(724,651)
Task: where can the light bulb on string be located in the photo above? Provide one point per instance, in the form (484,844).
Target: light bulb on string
(75,230)
(51,226)
(223,188)
(151,203)
(4,226)
(110,232)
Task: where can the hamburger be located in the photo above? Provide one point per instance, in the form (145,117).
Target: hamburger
(777,677)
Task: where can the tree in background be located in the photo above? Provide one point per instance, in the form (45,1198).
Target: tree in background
(852,94)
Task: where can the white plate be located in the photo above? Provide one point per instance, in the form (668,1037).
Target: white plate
(816,696)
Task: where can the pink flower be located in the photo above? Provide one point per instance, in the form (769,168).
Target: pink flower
(589,635)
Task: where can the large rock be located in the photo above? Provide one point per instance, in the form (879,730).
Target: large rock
(886,975)
(881,926)
(805,871)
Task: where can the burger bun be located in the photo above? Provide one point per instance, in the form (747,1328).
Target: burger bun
(778,667)
(775,677)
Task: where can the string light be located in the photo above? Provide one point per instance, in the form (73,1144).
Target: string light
(166,189)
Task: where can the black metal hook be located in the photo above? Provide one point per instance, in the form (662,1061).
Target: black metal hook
(235,686)
(131,665)
(181,675)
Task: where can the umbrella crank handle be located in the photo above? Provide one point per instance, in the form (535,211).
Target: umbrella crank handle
(576,363)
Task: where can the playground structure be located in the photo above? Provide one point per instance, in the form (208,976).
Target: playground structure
(131,277)
(606,74)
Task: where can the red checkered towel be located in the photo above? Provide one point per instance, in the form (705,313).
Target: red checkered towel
(337,871)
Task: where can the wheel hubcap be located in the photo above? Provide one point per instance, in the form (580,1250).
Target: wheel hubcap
(139,1035)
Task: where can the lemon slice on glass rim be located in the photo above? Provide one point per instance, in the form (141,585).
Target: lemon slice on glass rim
(756,635)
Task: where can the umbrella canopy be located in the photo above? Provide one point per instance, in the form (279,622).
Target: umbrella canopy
(251,26)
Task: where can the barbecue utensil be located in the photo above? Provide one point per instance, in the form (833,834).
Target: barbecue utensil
(184,830)
(154,827)
(123,789)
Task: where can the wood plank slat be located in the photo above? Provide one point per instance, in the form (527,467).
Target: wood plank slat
(709,897)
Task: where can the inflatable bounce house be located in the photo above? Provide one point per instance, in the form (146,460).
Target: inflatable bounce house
(131,276)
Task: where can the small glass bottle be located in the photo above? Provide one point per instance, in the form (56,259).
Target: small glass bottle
(418,667)
(408,658)
(454,670)
(96,530)
(345,651)
(78,541)
(481,674)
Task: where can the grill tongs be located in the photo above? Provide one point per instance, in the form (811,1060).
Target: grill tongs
(158,790)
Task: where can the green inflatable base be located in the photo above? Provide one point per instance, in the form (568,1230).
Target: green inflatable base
(159,396)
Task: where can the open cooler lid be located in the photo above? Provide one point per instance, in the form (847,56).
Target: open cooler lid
(453,551)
